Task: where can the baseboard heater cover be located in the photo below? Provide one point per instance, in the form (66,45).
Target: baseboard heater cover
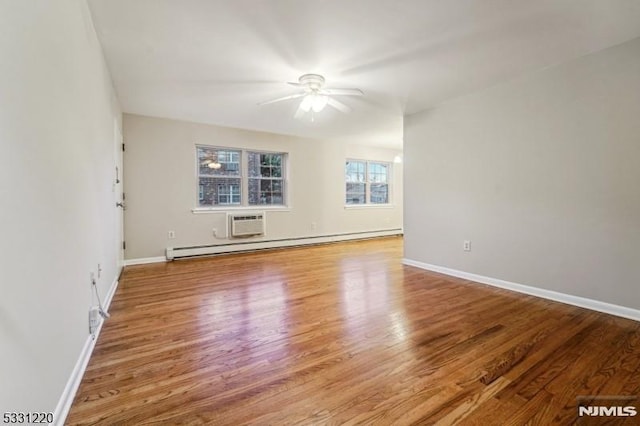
(173,253)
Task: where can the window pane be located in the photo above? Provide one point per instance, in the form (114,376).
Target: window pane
(219,191)
(254,191)
(355,193)
(262,164)
(354,171)
(379,193)
(266,192)
(218,162)
(228,193)
(378,172)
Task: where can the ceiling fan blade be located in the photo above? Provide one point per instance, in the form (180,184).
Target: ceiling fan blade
(342,92)
(339,106)
(299,113)
(285,98)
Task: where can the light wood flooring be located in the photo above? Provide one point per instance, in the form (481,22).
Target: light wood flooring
(344,334)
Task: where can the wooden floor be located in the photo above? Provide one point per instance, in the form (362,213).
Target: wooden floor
(344,334)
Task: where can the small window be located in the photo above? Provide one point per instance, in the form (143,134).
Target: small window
(367,182)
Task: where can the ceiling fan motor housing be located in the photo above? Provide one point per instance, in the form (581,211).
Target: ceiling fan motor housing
(313,81)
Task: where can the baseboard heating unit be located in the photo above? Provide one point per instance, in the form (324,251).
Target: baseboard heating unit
(173,253)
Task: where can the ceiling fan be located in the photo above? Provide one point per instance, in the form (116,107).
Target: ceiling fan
(315,97)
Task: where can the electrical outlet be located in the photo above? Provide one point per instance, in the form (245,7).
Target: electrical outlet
(215,233)
(94,320)
(171,234)
(466,246)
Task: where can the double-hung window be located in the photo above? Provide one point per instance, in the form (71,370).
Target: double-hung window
(219,178)
(367,182)
(266,178)
(236,177)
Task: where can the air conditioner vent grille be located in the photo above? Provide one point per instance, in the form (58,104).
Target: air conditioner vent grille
(246,225)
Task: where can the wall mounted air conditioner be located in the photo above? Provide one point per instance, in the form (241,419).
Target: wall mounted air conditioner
(246,224)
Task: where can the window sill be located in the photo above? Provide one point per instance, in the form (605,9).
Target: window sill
(206,210)
(368,206)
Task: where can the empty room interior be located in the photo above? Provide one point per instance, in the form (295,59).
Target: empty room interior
(331,212)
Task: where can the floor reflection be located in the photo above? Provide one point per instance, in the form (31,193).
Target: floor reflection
(257,307)
(370,301)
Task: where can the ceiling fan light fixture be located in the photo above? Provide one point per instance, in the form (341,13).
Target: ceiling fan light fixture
(318,102)
(214,165)
(306,103)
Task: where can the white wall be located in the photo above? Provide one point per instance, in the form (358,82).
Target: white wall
(161,186)
(542,174)
(57,112)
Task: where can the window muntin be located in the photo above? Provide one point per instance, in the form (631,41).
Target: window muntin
(230,160)
(367,182)
(236,178)
(228,193)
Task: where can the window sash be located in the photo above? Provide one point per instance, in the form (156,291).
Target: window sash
(379,193)
(227,159)
(219,191)
(266,191)
(356,193)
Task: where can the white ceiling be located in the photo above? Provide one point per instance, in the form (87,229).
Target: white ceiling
(213,61)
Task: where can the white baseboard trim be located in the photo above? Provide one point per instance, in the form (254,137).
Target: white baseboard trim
(594,305)
(144,260)
(70,389)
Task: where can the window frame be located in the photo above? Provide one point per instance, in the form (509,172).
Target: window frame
(368,182)
(243,160)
